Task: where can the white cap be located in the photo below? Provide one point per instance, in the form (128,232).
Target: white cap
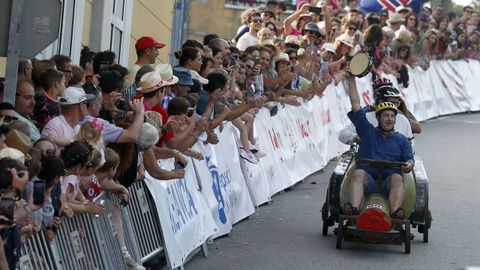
(329,47)
(74,95)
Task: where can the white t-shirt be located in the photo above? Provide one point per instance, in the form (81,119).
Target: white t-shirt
(402,125)
(246,41)
(58,127)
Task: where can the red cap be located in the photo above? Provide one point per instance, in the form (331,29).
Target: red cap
(147,42)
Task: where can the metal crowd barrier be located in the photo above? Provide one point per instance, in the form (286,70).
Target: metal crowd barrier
(36,254)
(143,234)
(89,242)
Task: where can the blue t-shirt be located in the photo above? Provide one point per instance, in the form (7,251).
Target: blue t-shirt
(378,145)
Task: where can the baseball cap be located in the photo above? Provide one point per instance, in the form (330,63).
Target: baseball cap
(184,76)
(74,95)
(147,42)
(329,47)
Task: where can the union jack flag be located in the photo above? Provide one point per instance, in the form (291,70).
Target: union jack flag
(389,5)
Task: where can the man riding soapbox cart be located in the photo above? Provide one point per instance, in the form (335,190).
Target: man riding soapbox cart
(373,222)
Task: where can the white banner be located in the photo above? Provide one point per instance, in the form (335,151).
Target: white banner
(222,181)
(186,223)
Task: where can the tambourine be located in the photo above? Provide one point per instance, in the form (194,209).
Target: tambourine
(360,65)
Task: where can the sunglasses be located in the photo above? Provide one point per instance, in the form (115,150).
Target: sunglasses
(257,21)
(8,118)
(352,28)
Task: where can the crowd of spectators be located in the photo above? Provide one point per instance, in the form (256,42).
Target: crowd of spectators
(70,124)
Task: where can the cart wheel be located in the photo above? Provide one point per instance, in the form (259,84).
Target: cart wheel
(406,237)
(425,235)
(340,232)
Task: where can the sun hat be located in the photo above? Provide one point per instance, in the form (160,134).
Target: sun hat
(282,57)
(345,39)
(394,17)
(160,77)
(292,39)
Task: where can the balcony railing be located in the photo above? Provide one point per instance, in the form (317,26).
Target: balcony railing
(244,4)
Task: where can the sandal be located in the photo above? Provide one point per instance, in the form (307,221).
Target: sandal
(349,210)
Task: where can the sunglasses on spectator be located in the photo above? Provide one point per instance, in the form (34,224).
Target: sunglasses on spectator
(469,11)
(257,21)
(352,28)
(8,118)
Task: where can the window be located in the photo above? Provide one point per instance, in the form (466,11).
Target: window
(70,33)
(110,28)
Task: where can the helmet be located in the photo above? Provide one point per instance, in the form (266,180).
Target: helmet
(383,89)
(385,106)
(311,26)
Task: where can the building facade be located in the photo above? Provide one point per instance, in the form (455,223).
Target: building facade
(116,25)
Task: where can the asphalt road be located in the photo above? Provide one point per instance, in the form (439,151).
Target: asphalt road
(286,234)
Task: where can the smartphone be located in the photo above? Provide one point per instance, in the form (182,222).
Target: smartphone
(179,166)
(190,112)
(316,10)
(257,61)
(357,37)
(124,105)
(38,192)
(7,206)
(233,61)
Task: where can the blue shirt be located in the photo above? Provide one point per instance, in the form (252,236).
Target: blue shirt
(378,145)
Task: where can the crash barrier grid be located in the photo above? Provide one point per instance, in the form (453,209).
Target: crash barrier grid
(426,88)
(36,254)
(140,222)
(89,241)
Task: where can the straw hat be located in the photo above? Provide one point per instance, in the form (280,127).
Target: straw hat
(160,77)
(394,17)
(345,39)
(282,57)
(16,139)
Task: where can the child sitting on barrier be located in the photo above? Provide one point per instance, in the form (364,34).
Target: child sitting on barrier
(78,159)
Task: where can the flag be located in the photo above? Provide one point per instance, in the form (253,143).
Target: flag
(389,5)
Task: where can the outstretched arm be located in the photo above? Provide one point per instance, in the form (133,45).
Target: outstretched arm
(353,93)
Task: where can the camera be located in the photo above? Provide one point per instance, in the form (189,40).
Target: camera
(316,10)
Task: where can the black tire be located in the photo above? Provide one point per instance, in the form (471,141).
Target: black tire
(340,232)
(406,237)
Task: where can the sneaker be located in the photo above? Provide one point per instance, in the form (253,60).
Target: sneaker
(256,150)
(250,157)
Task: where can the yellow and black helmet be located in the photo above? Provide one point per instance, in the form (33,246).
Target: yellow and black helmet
(385,106)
